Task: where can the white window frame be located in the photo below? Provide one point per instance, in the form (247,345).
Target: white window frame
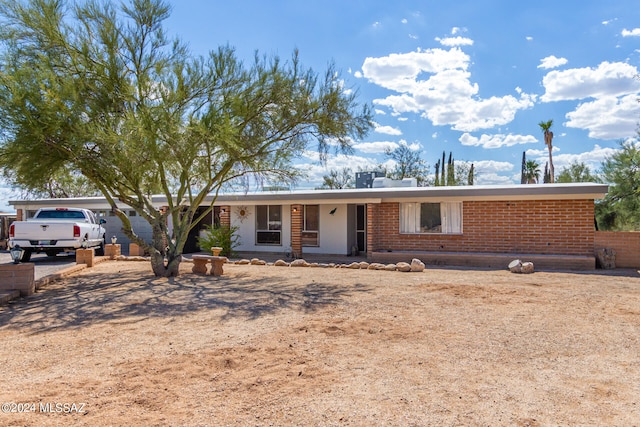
(450,215)
(273,227)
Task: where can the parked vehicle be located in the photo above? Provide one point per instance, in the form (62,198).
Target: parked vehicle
(55,230)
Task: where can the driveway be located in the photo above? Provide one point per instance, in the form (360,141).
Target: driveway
(44,265)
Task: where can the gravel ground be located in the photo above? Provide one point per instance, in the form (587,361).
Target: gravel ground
(262,346)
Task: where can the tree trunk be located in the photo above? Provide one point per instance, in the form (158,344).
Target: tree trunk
(169,269)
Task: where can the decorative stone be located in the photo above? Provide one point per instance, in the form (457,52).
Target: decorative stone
(243,262)
(299,263)
(527,267)
(391,267)
(281,263)
(314,264)
(606,258)
(256,261)
(403,266)
(354,265)
(417,265)
(364,265)
(515,266)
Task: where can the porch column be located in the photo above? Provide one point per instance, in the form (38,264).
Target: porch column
(19,215)
(296,229)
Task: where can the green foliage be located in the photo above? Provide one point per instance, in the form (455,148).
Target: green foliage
(620,210)
(576,172)
(408,164)
(531,172)
(223,237)
(337,179)
(98,89)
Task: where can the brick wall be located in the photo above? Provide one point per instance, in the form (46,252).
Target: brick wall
(533,227)
(625,243)
(19,215)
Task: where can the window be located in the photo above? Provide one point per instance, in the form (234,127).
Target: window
(310,225)
(268,224)
(445,218)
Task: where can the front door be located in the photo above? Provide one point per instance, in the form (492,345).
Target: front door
(361,228)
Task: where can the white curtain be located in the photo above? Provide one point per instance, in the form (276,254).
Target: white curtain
(451,215)
(409,217)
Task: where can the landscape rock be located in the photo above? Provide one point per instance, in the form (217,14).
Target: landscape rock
(256,261)
(515,266)
(299,263)
(606,258)
(527,268)
(354,265)
(417,265)
(390,267)
(281,263)
(403,266)
(364,265)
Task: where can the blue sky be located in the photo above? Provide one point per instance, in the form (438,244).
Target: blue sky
(471,77)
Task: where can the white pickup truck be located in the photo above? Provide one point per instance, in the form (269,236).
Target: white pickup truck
(55,230)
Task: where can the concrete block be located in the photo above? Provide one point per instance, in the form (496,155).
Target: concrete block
(85,256)
(18,277)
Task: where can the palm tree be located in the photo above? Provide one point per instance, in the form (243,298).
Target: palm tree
(548,139)
(531,172)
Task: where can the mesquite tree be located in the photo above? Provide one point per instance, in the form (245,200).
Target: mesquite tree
(98,89)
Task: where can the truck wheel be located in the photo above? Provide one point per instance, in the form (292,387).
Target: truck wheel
(100,249)
(26,256)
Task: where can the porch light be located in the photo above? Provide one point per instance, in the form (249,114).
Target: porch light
(114,239)
(295,209)
(223,210)
(16,254)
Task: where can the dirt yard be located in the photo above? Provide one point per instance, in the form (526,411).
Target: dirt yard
(267,345)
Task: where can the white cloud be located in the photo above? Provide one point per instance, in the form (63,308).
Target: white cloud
(491,178)
(607,118)
(387,130)
(609,21)
(315,171)
(592,158)
(413,146)
(404,20)
(528,38)
(496,141)
(380,112)
(631,33)
(455,41)
(358,75)
(492,166)
(445,95)
(608,79)
(552,62)
(375,147)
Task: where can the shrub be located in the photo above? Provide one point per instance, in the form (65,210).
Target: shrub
(223,237)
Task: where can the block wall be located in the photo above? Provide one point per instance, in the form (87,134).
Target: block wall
(625,243)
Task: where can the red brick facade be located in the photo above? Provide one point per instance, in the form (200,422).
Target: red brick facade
(534,227)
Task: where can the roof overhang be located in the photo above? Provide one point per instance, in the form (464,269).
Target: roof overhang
(571,191)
